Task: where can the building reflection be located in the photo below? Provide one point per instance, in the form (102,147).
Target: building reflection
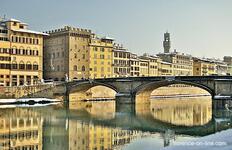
(178,111)
(20,129)
(183,111)
(84,136)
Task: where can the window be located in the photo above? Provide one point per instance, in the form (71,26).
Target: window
(75,67)
(101,56)
(28,66)
(83,68)
(35,66)
(21,65)
(14,65)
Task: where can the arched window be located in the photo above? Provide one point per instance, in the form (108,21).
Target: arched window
(35,51)
(14,48)
(21,65)
(75,67)
(35,66)
(28,66)
(28,51)
(14,65)
(83,68)
(21,48)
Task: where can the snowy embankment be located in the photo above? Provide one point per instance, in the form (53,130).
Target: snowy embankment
(218,141)
(27,100)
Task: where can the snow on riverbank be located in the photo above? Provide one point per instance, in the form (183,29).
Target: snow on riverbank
(25,100)
(221,140)
(27,105)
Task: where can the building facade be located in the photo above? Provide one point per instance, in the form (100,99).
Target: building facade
(121,61)
(165,69)
(143,67)
(66,54)
(203,67)
(74,53)
(153,65)
(182,64)
(134,65)
(100,57)
(228,61)
(21,54)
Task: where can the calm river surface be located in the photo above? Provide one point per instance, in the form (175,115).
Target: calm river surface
(97,126)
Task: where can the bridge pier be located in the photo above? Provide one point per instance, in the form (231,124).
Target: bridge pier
(220,104)
(125,103)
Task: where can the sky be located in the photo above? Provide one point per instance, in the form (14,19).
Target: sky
(202,28)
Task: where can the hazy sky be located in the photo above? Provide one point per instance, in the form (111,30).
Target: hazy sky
(199,27)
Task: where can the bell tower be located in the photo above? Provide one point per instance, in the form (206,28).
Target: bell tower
(167,42)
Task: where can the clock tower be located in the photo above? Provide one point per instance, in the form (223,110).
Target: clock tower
(167,42)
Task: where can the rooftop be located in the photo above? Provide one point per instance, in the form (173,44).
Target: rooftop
(29,31)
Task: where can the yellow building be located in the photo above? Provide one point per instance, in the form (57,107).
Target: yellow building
(135,67)
(100,57)
(182,64)
(203,67)
(121,61)
(21,54)
(153,65)
(143,67)
(165,69)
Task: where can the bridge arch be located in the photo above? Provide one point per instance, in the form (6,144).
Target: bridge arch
(149,87)
(85,86)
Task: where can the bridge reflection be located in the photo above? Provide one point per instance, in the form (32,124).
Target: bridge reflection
(90,127)
(171,112)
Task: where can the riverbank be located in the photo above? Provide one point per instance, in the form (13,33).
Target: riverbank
(27,101)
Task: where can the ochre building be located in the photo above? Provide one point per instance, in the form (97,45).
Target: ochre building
(21,54)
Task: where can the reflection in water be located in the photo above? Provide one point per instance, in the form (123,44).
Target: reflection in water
(94,125)
(192,111)
(89,136)
(183,111)
(20,129)
(98,109)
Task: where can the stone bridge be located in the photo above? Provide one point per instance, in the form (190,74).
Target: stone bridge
(129,88)
(132,86)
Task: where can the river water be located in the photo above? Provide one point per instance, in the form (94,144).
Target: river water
(95,125)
